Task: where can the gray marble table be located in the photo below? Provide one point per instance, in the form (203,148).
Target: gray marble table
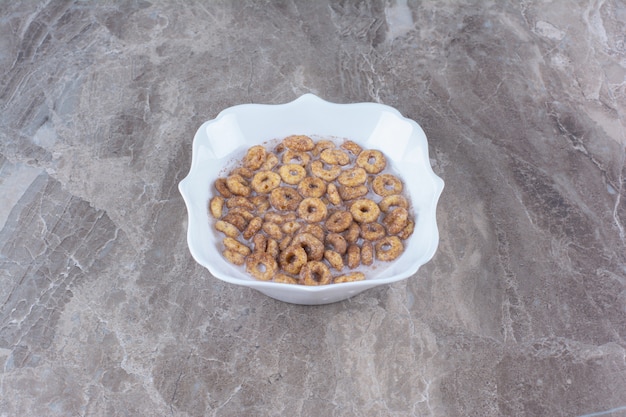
(522,311)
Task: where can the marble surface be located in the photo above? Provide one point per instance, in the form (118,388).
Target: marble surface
(522,311)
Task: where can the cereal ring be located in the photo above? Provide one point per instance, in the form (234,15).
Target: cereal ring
(312,187)
(352,177)
(396,220)
(272,248)
(407,231)
(333,194)
(260,243)
(312,210)
(364,210)
(372,161)
(272,230)
(253,227)
(387,184)
(339,221)
(291,227)
(233,257)
(265,181)
(352,235)
(244,172)
(354,256)
(372,231)
(299,143)
(394,200)
(315,273)
(337,243)
(367,253)
(222,188)
(255,157)
(327,174)
(313,247)
(321,146)
(314,229)
(238,185)
(285,279)
(351,193)
(389,248)
(216,206)
(352,147)
(236,220)
(294,157)
(242,212)
(226,228)
(261,265)
(239,201)
(334,259)
(335,157)
(292,259)
(292,173)
(270,162)
(352,276)
(236,246)
(285,198)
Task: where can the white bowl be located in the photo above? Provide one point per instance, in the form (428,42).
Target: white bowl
(225,139)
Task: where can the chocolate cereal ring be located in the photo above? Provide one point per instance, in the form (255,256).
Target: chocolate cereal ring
(352,147)
(292,259)
(353,276)
(387,184)
(327,173)
(315,273)
(255,157)
(292,173)
(313,247)
(238,185)
(299,143)
(312,187)
(334,259)
(312,210)
(321,146)
(295,157)
(337,243)
(394,200)
(265,181)
(367,253)
(285,198)
(372,161)
(396,220)
(335,157)
(389,248)
(339,221)
(261,265)
(364,210)
(372,231)
(352,177)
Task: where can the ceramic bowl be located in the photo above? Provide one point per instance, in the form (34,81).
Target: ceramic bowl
(220,142)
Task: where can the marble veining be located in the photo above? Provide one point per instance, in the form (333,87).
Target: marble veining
(522,311)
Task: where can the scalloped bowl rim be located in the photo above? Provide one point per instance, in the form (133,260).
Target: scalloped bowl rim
(318,118)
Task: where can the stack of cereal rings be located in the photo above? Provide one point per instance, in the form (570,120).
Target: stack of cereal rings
(311,213)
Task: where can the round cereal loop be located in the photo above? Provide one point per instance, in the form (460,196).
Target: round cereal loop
(238,185)
(255,157)
(337,242)
(339,221)
(352,177)
(312,210)
(352,147)
(334,259)
(261,265)
(387,184)
(389,248)
(226,228)
(394,200)
(295,157)
(292,259)
(265,181)
(333,194)
(233,257)
(285,198)
(364,210)
(322,145)
(352,193)
(396,220)
(270,162)
(292,173)
(327,173)
(285,279)
(352,276)
(299,143)
(253,227)
(367,253)
(216,205)
(372,161)
(312,187)
(222,188)
(315,273)
(372,231)
(236,246)
(335,157)
(354,256)
(313,247)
